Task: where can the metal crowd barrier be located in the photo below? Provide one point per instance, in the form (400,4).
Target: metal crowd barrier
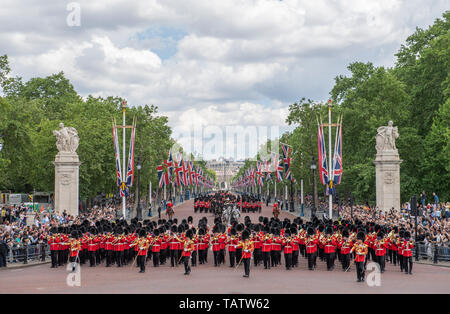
(433,252)
(27,253)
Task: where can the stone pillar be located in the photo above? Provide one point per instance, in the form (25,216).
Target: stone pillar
(387,163)
(67,167)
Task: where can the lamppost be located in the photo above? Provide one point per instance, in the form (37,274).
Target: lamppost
(139,209)
(313,168)
(415,211)
(292,198)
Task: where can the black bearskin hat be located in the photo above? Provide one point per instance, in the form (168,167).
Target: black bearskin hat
(245,234)
(361,236)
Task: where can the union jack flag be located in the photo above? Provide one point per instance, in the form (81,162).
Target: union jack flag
(191,173)
(337,157)
(186,176)
(287,160)
(169,165)
(323,169)
(178,178)
(130,167)
(259,173)
(279,172)
(163,176)
(116,153)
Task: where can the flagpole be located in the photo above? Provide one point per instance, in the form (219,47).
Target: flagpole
(275,189)
(150,194)
(330,196)
(124,106)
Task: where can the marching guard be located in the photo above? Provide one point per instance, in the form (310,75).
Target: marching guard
(361,250)
(247,248)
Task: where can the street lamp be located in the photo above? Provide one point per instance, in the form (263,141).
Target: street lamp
(139,209)
(313,168)
(414,210)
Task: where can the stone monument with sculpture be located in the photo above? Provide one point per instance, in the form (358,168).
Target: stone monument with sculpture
(67,167)
(387,163)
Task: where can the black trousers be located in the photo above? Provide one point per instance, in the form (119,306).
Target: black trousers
(407,264)
(92,258)
(266,258)
(108,257)
(83,256)
(54,257)
(201,254)
(61,257)
(119,257)
(141,262)
(288,260)
(345,261)
(311,260)
(232,255)
(394,257)
(303,250)
(273,258)
(216,258)
(295,258)
(400,261)
(173,258)
(330,260)
(246,262)
(257,256)
(222,256)
(65,254)
(187,269)
(381,260)
(162,256)
(360,270)
(194,258)
(155,259)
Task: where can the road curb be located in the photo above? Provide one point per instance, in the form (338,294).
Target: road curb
(18,266)
(432,264)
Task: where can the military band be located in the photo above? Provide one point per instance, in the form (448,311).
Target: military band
(265,241)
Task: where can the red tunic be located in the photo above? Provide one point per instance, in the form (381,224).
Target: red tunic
(311,245)
(267,245)
(407,249)
(287,247)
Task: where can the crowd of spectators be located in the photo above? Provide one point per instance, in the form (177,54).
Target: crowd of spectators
(18,236)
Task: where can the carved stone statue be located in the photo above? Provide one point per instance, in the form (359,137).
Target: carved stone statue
(66,139)
(386,137)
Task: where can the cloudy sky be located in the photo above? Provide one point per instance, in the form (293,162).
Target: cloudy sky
(207,63)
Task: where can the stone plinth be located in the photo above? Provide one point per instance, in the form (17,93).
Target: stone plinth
(387,165)
(66,182)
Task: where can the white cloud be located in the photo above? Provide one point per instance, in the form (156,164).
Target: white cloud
(236,61)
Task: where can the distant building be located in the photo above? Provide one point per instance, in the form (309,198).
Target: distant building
(225,169)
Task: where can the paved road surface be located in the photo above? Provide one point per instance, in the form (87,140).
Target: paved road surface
(223,279)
